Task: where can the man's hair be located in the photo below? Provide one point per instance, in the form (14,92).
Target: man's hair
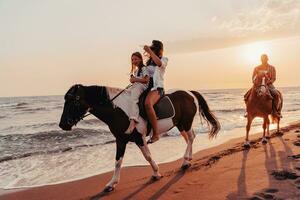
(264,56)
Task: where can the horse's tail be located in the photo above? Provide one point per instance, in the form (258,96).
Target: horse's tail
(210,118)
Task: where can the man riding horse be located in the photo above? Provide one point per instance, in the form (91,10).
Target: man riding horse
(270,74)
(263,100)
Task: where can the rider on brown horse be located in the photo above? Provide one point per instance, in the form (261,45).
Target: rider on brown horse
(270,73)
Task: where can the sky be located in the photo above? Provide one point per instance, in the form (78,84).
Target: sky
(47,46)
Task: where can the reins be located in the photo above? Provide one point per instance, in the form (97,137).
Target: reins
(128,86)
(110,101)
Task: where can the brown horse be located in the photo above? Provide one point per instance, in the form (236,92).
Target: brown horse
(259,104)
(97,100)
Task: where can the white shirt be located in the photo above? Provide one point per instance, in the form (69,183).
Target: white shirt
(158,73)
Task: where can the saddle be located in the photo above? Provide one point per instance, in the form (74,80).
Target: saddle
(163,108)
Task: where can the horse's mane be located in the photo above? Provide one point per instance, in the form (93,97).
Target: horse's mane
(112,91)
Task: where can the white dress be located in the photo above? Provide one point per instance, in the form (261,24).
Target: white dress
(128,100)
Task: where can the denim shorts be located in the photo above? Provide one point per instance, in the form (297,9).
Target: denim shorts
(161,92)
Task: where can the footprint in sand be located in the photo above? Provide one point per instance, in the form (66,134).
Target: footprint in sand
(266,194)
(297,131)
(195,182)
(262,195)
(297,156)
(297,183)
(284,174)
(297,143)
(271,190)
(177,191)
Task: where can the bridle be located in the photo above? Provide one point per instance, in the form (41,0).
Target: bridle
(263,84)
(78,102)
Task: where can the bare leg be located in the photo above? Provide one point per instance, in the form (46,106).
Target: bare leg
(151,100)
(116,176)
(146,152)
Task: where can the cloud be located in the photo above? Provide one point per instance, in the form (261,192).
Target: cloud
(272,15)
(269,20)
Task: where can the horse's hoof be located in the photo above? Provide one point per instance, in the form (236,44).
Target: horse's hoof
(186,166)
(108,189)
(264,141)
(247,145)
(279,133)
(156,178)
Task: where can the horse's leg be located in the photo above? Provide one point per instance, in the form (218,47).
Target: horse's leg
(189,136)
(268,130)
(278,127)
(265,125)
(121,146)
(248,126)
(185,136)
(146,152)
(187,150)
(186,157)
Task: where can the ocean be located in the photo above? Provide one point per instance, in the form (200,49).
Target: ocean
(34,151)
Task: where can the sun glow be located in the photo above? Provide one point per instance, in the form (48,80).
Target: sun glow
(253,51)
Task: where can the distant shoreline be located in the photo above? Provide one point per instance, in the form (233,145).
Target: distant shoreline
(203,90)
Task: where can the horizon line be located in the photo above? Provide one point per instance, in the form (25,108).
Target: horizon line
(238,88)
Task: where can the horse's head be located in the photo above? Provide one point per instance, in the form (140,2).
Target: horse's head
(260,83)
(75,107)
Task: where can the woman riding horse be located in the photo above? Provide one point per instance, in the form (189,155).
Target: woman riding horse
(97,101)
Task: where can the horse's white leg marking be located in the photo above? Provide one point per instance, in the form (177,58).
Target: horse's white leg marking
(186,155)
(146,152)
(116,177)
(189,137)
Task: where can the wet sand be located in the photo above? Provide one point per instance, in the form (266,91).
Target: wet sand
(227,171)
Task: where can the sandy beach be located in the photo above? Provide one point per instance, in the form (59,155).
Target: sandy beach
(227,171)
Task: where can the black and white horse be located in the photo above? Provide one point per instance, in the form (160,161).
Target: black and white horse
(96,100)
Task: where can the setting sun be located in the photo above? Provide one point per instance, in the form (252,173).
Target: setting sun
(252,52)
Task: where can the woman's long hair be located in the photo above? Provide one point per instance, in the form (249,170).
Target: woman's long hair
(156,47)
(140,65)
